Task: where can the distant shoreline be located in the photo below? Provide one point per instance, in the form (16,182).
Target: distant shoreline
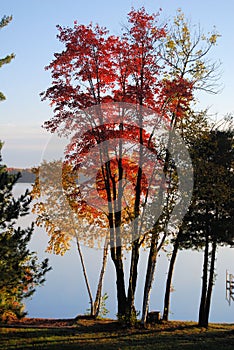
(27,176)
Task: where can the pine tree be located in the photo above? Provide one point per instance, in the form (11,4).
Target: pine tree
(209,221)
(7,59)
(20,271)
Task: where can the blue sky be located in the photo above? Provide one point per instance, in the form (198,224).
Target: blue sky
(32,37)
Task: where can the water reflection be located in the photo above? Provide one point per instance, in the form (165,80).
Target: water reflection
(64,294)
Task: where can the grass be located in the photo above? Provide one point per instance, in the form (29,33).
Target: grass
(107,334)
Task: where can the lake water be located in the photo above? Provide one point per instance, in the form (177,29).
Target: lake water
(64,294)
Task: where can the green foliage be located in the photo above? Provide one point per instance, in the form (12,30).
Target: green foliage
(211,211)
(129,318)
(19,269)
(103,311)
(10,308)
(7,59)
(5,21)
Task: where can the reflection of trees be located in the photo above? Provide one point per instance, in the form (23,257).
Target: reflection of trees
(58,213)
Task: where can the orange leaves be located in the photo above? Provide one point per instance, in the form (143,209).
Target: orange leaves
(176,96)
(96,67)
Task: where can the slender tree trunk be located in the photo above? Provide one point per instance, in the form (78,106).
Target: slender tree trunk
(133,280)
(100,282)
(149,279)
(85,277)
(94,306)
(201,321)
(211,283)
(169,280)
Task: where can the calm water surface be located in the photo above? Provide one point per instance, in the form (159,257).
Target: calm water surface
(64,294)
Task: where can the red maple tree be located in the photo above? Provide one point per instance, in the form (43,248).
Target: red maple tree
(109,91)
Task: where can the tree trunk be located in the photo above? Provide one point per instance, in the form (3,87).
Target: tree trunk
(132,281)
(94,306)
(149,279)
(100,282)
(116,255)
(85,277)
(154,248)
(201,321)
(136,233)
(169,280)
(211,283)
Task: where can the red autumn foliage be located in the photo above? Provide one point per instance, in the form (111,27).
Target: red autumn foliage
(96,68)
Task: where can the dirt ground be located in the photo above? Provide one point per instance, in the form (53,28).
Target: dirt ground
(84,321)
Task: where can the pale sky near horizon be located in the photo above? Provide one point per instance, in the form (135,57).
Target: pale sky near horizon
(32,37)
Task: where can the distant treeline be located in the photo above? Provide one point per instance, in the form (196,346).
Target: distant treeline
(27,175)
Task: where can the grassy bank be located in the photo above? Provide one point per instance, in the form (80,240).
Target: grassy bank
(107,334)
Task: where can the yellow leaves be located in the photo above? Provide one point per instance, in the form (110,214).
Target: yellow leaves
(61,211)
(170,44)
(59,241)
(214,35)
(187,50)
(180,40)
(35,193)
(199,69)
(198,53)
(213,38)
(185,30)
(179,17)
